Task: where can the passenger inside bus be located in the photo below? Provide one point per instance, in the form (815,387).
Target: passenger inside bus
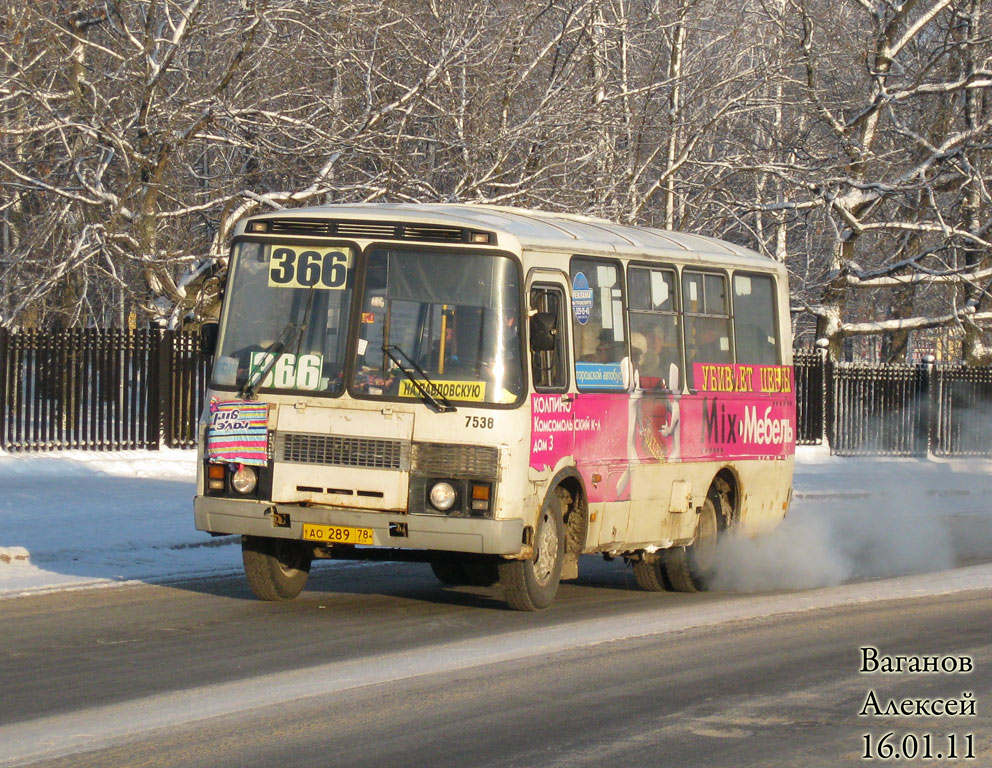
(479,344)
(662,353)
(445,348)
(607,349)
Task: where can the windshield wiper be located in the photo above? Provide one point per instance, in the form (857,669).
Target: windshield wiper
(248,389)
(438,402)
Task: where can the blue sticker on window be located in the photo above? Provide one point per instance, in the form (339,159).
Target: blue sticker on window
(581,298)
(599,375)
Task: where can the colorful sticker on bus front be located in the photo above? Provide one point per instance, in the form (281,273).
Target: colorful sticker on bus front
(737,412)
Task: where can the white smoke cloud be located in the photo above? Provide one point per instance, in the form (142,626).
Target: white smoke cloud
(877,519)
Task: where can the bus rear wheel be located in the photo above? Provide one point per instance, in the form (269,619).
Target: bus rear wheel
(690,569)
(277,569)
(531,585)
(650,574)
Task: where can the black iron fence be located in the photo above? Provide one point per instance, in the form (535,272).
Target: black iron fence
(865,409)
(810,396)
(99,389)
(112,389)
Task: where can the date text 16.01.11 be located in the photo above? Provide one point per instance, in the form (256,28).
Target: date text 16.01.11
(927,746)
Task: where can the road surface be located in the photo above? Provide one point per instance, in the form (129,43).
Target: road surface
(377,664)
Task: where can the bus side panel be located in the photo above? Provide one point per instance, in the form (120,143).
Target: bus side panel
(633,450)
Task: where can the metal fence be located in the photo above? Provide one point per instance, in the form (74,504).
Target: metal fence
(961,400)
(810,396)
(112,389)
(99,389)
(880,409)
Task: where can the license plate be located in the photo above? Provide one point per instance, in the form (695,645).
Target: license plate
(337,534)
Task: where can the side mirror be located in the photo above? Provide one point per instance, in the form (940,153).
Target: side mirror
(543,332)
(208,338)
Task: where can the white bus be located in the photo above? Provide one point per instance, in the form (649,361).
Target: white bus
(496,391)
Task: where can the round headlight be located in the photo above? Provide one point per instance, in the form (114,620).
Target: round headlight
(442,496)
(244,480)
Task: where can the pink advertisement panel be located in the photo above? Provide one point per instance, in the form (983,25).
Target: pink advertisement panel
(740,412)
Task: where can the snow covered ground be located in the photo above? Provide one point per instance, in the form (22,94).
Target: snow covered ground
(79,519)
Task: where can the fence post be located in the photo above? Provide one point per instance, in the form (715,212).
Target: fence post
(826,393)
(925,393)
(3,388)
(165,341)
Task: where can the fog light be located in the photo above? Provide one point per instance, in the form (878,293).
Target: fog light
(244,480)
(442,496)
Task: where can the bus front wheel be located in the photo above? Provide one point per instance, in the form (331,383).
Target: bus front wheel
(531,585)
(690,569)
(277,569)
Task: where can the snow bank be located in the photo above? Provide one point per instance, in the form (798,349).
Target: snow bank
(79,518)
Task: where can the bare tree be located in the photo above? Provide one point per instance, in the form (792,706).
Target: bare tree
(889,166)
(136,134)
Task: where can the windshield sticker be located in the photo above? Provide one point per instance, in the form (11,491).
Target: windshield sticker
(599,375)
(226,370)
(305,267)
(472,391)
(581,298)
(237,432)
(288,372)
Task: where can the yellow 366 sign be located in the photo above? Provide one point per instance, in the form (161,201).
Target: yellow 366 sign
(305,267)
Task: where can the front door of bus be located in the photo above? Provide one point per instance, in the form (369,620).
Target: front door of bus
(588,429)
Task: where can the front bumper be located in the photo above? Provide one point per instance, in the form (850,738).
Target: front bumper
(434,532)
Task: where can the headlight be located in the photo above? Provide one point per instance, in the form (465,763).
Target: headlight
(442,496)
(244,480)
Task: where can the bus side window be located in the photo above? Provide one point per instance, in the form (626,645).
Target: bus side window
(598,328)
(755,331)
(654,327)
(707,320)
(549,368)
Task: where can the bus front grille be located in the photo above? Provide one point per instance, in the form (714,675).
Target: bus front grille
(337,451)
(478,462)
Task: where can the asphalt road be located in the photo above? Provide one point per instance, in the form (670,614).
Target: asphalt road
(460,680)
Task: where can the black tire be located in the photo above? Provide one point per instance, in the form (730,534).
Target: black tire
(277,569)
(690,569)
(531,585)
(481,570)
(650,574)
(449,570)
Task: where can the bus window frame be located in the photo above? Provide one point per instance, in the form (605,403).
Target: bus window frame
(462,248)
(664,266)
(726,273)
(622,279)
(775,312)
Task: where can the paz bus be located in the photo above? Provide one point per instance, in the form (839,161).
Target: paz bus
(495,391)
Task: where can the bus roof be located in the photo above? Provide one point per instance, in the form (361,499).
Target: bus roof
(532,229)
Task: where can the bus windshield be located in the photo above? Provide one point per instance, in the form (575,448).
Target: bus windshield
(451,319)
(287,318)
